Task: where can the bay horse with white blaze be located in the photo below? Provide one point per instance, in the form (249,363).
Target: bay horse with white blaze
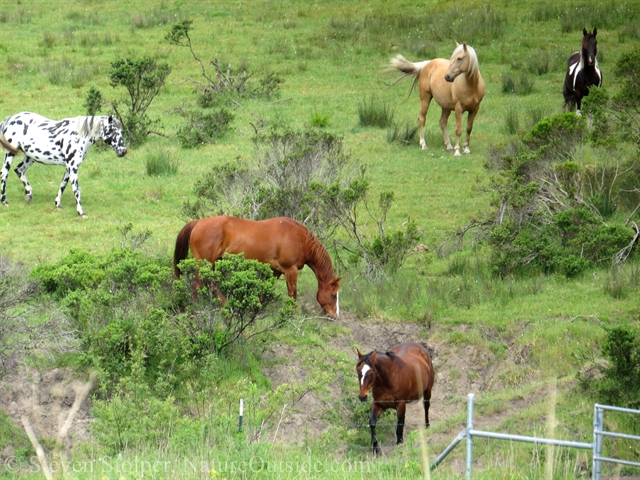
(455,84)
(54,142)
(402,375)
(282,243)
(582,72)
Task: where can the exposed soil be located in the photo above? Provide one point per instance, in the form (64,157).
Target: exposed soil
(46,398)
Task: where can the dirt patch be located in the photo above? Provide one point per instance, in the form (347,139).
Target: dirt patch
(460,370)
(44,400)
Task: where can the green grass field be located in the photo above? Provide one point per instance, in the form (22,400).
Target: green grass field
(333,56)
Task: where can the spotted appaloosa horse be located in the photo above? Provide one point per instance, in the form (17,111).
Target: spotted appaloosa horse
(55,142)
(582,72)
(402,375)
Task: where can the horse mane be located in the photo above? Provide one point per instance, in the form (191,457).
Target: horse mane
(474,68)
(320,255)
(89,126)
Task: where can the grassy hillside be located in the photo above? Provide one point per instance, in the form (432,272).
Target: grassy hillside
(517,343)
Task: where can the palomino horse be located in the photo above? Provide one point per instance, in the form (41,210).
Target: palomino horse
(582,72)
(54,142)
(402,375)
(455,84)
(284,244)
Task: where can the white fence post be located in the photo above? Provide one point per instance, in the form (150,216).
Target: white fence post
(469,436)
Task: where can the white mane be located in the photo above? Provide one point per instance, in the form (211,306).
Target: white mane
(473,59)
(89,126)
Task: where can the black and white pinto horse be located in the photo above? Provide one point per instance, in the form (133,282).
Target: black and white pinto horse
(55,142)
(582,72)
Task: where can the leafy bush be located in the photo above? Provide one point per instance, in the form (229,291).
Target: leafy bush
(549,207)
(292,170)
(229,83)
(203,127)
(93,102)
(143,78)
(620,382)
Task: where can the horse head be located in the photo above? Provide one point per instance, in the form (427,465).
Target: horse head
(589,47)
(459,63)
(328,297)
(366,373)
(112,135)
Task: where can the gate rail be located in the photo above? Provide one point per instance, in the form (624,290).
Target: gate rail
(596,447)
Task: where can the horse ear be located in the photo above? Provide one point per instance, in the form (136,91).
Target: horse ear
(358,352)
(372,357)
(595,32)
(584,31)
(336,280)
(464,47)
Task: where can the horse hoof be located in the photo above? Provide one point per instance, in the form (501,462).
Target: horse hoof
(27,198)
(58,207)
(83,215)
(467,151)
(457,154)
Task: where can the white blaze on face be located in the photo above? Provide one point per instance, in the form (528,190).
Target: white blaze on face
(365,369)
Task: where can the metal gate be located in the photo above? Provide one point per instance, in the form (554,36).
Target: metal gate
(596,447)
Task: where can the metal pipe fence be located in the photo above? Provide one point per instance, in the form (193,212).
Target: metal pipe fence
(596,447)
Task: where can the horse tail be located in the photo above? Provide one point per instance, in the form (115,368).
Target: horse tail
(3,140)
(7,146)
(182,246)
(408,69)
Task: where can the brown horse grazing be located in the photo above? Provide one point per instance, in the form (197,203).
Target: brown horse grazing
(402,375)
(286,245)
(456,85)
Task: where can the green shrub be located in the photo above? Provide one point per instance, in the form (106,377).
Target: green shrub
(620,382)
(372,113)
(204,127)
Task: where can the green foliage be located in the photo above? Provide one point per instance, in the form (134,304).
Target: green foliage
(512,123)
(229,82)
(143,78)
(161,163)
(548,218)
(249,290)
(626,101)
(620,384)
(203,127)
(403,134)
(93,101)
(523,85)
(319,120)
(292,171)
(372,113)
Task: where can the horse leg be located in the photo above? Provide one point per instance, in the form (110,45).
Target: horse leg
(8,158)
(21,171)
(426,403)
(422,117)
(444,119)
(470,119)
(63,184)
(402,409)
(73,176)
(375,414)
(291,276)
(458,130)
